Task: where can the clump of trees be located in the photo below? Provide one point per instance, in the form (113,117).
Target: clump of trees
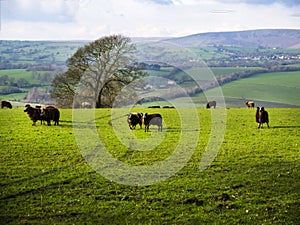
(10,81)
(10,85)
(99,69)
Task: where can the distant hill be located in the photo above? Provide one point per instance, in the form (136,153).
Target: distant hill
(274,38)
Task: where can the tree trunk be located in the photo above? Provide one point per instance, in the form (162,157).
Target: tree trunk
(98,101)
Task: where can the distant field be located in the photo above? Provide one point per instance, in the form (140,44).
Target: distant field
(223,60)
(254,179)
(217,71)
(20,73)
(33,77)
(272,89)
(13,97)
(223,71)
(33,52)
(280,89)
(183,77)
(41,79)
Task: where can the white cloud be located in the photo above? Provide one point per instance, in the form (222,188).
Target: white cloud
(91,19)
(39,10)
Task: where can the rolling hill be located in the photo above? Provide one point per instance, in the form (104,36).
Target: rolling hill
(27,65)
(273,38)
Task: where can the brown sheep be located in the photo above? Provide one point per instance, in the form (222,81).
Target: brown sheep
(33,113)
(6,104)
(152,119)
(50,113)
(211,104)
(250,104)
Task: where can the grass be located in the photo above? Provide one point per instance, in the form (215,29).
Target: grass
(269,89)
(14,97)
(276,89)
(35,79)
(30,76)
(44,178)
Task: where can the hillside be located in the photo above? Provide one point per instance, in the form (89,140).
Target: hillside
(273,38)
(30,66)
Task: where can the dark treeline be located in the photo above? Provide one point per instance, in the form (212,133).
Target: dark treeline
(6,65)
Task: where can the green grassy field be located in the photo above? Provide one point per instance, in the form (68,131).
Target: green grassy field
(267,89)
(253,180)
(272,90)
(17,73)
(41,79)
(30,76)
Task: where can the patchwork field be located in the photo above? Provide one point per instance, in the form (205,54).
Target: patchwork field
(254,179)
(34,64)
(15,83)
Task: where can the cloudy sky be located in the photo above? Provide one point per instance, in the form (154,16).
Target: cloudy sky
(92,19)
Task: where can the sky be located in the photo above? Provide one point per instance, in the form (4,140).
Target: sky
(93,19)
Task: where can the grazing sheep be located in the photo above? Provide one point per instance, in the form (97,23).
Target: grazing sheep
(50,113)
(43,114)
(6,104)
(33,113)
(211,104)
(152,119)
(133,119)
(250,104)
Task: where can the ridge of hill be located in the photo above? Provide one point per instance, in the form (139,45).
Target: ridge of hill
(273,38)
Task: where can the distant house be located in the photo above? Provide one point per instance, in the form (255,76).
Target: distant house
(171,82)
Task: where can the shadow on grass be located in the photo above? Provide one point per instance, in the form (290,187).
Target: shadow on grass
(28,219)
(284,126)
(179,130)
(69,123)
(31,178)
(55,185)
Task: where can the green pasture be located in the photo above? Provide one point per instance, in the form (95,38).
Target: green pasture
(16,73)
(34,78)
(31,76)
(185,77)
(32,52)
(14,97)
(280,89)
(44,178)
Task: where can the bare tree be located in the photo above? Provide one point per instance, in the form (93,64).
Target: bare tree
(98,71)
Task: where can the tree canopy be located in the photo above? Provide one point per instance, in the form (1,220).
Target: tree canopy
(100,69)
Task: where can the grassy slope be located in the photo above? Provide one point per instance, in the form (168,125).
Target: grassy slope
(16,73)
(273,87)
(254,179)
(268,89)
(279,89)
